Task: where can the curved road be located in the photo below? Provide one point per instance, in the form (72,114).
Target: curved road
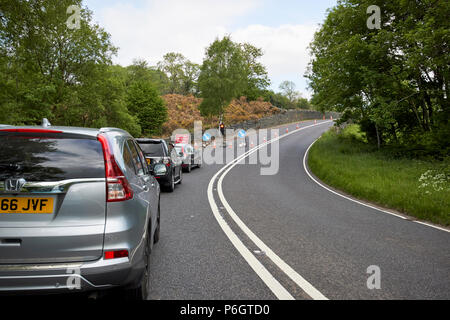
(312,243)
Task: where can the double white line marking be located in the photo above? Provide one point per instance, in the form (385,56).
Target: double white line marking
(274,285)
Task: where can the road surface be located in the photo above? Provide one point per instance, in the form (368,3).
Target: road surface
(283,236)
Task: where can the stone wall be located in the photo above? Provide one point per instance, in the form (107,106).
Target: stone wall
(285,116)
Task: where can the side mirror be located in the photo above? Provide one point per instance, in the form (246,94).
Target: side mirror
(151,170)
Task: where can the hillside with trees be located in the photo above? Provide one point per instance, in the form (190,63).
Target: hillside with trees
(66,75)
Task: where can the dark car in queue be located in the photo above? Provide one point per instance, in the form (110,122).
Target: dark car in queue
(190,156)
(79,211)
(164,161)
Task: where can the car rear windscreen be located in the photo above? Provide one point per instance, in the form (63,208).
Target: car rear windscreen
(152,149)
(49,159)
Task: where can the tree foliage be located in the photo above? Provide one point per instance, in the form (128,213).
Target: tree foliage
(47,68)
(182,74)
(144,101)
(393,80)
(282,101)
(288,90)
(66,74)
(50,70)
(230,70)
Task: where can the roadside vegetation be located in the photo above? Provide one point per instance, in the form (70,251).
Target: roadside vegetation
(184,110)
(393,80)
(343,159)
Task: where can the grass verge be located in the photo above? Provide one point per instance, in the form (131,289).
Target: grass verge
(418,188)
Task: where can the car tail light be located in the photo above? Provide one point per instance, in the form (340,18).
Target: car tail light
(117,186)
(115,254)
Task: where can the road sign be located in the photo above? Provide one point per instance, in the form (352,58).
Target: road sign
(206,137)
(241,133)
(182,138)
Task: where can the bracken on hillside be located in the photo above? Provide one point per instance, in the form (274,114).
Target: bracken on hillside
(241,110)
(183,111)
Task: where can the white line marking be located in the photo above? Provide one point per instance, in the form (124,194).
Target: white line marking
(332,191)
(262,272)
(291,273)
(430,225)
(278,290)
(359,202)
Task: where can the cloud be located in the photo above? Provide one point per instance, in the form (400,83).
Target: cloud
(285,50)
(172,25)
(188,27)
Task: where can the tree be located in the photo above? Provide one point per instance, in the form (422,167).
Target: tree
(393,81)
(222,76)
(49,70)
(277,99)
(190,79)
(288,90)
(303,103)
(230,70)
(140,70)
(256,73)
(147,106)
(182,74)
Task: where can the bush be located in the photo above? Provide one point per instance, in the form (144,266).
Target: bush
(145,103)
(416,187)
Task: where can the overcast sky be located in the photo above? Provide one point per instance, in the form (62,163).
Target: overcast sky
(149,29)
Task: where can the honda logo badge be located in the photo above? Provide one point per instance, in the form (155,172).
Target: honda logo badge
(14,184)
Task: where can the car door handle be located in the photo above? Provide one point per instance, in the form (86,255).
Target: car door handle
(10,242)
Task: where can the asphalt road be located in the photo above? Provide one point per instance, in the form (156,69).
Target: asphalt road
(326,240)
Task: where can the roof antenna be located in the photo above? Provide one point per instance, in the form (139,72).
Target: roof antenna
(45,123)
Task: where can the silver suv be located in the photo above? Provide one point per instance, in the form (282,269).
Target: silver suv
(79,211)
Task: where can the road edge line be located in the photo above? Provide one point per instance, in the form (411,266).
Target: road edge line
(305,167)
(273,284)
(308,288)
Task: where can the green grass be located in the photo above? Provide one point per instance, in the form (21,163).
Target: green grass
(345,161)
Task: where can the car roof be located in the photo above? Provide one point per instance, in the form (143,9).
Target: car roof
(93,132)
(182,144)
(148,140)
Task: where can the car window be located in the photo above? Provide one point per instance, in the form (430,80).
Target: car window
(136,158)
(50,159)
(141,155)
(128,159)
(174,153)
(152,149)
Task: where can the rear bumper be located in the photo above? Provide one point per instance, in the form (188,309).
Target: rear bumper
(72,277)
(165,178)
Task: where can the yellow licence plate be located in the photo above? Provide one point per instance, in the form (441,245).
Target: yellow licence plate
(26,205)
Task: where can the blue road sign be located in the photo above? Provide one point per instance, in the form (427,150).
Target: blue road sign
(241,133)
(206,137)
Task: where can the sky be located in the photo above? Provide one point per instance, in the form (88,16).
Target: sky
(148,29)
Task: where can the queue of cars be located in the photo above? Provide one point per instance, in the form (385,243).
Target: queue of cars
(169,161)
(80,208)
